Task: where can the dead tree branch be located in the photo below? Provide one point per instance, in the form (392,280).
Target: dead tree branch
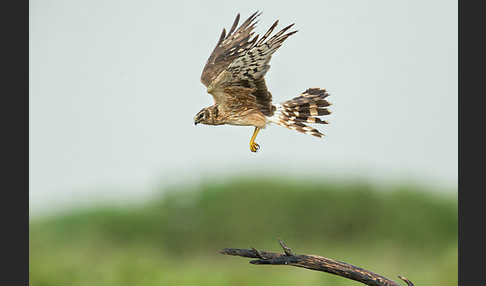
(314,262)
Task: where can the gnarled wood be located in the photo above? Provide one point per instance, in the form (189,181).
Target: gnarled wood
(314,262)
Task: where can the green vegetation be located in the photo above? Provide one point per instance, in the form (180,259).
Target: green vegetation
(173,240)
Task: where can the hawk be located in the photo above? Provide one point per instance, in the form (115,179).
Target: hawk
(234,76)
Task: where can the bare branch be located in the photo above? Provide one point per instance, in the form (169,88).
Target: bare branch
(314,262)
(409,283)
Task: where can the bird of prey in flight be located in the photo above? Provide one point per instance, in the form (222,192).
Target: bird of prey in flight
(234,76)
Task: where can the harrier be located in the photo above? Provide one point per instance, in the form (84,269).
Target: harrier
(234,76)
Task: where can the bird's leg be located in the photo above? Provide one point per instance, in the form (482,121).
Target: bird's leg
(254,146)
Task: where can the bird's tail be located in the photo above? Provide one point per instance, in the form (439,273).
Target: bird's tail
(305,108)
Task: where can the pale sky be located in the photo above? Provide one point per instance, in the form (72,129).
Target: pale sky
(114,86)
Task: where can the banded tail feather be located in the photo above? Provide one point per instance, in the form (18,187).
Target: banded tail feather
(305,108)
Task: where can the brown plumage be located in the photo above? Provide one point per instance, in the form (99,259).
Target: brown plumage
(234,76)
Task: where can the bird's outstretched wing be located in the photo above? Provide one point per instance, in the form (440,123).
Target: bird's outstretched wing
(240,61)
(229,47)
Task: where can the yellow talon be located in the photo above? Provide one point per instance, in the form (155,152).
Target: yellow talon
(253,145)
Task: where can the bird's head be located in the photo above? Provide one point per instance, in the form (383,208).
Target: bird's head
(201,116)
(207,115)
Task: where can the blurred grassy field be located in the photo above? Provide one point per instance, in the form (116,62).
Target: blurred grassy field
(174,239)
